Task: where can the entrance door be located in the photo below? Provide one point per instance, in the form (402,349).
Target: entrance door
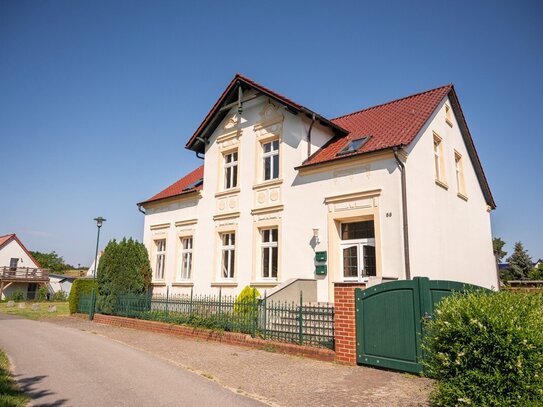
(358,250)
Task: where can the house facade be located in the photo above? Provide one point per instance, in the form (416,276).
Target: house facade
(19,270)
(286,196)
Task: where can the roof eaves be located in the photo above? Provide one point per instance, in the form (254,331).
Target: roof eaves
(187,192)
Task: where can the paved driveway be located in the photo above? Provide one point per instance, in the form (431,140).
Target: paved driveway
(61,366)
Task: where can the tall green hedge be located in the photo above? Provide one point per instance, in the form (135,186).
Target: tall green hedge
(80,286)
(486,349)
(124,268)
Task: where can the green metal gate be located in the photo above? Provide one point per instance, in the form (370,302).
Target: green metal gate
(389,319)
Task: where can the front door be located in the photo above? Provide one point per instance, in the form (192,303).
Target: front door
(358,250)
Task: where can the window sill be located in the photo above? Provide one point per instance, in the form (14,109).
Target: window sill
(442,184)
(224,284)
(264,283)
(183,284)
(270,183)
(462,196)
(158,283)
(230,191)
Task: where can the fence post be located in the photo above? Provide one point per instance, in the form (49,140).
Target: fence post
(167,297)
(264,324)
(255,312)
(300,319)
(220,298)
(190,308)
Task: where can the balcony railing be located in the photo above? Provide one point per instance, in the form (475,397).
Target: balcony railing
(23,274)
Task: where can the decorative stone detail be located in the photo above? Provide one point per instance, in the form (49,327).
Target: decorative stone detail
(227,203)
(271,120)
(267,196)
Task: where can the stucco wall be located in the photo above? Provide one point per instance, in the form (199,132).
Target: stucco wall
(13,249)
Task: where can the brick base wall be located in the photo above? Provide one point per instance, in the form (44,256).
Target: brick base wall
(231,338)
(345,324)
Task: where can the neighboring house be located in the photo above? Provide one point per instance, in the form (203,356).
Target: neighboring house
(90,271)
(60,282)
(19,270)
(389,192)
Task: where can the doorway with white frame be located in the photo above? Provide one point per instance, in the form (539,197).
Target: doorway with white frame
(357,250)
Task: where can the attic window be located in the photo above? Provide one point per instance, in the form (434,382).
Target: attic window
(194,185)
(353,146)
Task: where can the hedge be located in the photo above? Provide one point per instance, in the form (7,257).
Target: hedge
(486,349)
(80,286)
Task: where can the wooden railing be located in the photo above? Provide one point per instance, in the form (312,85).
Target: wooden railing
(23,274)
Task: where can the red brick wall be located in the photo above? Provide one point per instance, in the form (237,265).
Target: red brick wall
(231,338)
(344,324)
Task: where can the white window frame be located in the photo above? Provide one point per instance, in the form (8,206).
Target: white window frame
(160,259)
(231,170)
(439,164)
(185,269)
(269,246)
(459,169)
(270,156)
(448,115)
(228,270)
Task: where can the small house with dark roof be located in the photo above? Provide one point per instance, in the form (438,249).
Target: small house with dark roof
(287,199)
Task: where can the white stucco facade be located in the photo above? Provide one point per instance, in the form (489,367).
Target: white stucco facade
(450,237)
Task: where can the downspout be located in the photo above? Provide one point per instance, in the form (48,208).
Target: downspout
(140,206)
(309,136)
(404,214)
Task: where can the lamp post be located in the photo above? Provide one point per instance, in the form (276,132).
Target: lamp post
(99,222)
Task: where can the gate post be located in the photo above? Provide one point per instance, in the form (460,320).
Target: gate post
(345,322)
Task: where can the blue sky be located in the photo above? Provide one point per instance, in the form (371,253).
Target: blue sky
(97,98)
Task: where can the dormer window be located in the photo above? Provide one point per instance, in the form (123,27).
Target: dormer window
(353,146)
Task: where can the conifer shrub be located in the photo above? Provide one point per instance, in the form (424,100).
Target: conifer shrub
(486,349)
(124,268)
(246,302)
(79,286)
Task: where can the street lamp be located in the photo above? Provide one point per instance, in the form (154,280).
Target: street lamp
(99,222)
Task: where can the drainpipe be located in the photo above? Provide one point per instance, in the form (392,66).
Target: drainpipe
(199,155)
(404,214)
(309,136)
(140,209)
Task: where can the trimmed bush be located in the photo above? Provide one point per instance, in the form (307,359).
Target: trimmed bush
(80,286)
(60,296)
(124,268)
(486,349)
(42,293)
(246,301)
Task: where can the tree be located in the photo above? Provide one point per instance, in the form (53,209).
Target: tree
(124,268)
(497,244)
(51,261)
(520,263)
(536,273)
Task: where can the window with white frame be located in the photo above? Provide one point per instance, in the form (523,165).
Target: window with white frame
(438,159)
(270,156)
(460,185)
(160,258)
(231,170)
(448,114)
(186,258)
(269,252)
(228,251)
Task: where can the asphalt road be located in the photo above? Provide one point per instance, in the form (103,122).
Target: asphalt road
(60,366)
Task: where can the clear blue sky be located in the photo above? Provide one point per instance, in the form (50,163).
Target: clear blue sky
(97,98)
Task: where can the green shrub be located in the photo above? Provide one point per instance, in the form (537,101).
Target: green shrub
(80,286)
(124,268)
(17,295)
(42,293)
(246,302)
(486,349)
(60,296)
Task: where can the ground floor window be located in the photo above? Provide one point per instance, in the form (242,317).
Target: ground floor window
(358,250)
(228,250)
(269,252)
(160,258)
(186,257)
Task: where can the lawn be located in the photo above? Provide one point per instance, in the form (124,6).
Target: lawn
(42,312)
(10,395)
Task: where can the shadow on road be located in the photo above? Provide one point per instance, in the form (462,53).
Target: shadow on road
(27,383)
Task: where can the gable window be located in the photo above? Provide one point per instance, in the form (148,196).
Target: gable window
(448,115)
(231,170)
(353,146)
(270,156)
(460,185)
(438,161)
(186,257)
(228,251)
(160,258)
(269,252)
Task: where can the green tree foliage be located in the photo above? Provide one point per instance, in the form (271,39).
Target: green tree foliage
(497,244)
(80,286)
(520,263)
(124,268)
(536,273)
(246,301)
(486,349)
(51,261)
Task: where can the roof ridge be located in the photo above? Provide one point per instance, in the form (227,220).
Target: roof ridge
(450,85)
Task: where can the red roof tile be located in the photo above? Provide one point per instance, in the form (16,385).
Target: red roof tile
(389,125)
(183,186)
(7,238)
(4,239)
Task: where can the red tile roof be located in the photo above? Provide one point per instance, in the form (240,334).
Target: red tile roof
(7,238)
(184,186)
(389,125)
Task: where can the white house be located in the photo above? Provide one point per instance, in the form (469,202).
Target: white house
(19,270)
(286,196)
